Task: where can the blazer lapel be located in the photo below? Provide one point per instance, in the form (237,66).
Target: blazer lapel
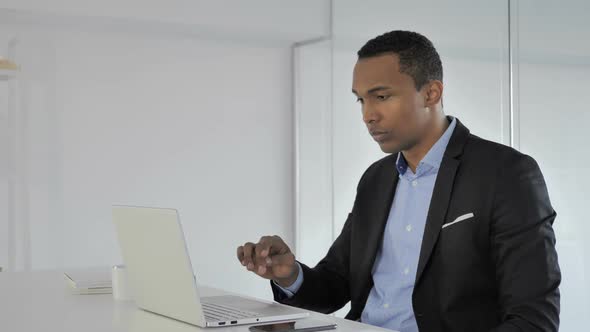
(372,233)
(441,195)
(382,207)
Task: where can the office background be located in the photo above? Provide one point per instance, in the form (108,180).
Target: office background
(240,115)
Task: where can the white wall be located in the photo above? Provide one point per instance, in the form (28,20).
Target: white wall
(262,20)
(313,153)
(6,86)
(111,114)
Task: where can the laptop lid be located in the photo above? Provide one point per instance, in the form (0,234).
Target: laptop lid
(159,269)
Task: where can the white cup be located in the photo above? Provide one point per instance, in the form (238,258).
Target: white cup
(121,291)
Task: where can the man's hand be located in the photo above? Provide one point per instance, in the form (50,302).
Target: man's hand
(270,258)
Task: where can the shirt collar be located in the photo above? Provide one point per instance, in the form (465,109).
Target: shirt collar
(434,156)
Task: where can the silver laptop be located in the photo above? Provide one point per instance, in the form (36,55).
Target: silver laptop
(161,276)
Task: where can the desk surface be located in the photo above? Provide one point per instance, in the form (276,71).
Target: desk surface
(41,301)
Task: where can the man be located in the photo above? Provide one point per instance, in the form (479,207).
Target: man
(449,232)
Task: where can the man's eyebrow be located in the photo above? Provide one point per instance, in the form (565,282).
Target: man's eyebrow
(378,88)
(375,89)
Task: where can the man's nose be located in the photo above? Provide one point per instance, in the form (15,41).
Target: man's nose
(369,114)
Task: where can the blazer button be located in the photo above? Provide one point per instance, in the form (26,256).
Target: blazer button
(418,314)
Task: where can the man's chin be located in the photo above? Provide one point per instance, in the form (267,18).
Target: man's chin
(389,148)
(393,147)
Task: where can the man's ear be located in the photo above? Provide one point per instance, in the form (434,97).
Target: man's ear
(433,93)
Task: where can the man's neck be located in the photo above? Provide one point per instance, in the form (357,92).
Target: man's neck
(414,155)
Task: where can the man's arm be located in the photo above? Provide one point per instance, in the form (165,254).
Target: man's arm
(325,288)
(523,249)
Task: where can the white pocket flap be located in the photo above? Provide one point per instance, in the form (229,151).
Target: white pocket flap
(459,219)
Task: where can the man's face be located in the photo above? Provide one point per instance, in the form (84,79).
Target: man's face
(393,110)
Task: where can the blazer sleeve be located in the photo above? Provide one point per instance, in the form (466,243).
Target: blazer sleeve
(325,287)
(523,249)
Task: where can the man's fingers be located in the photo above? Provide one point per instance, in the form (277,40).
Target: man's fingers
(264,246)
(248,255)
(240,254)
(261,254)
(273,245)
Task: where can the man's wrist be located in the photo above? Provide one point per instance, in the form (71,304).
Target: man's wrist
(289,281)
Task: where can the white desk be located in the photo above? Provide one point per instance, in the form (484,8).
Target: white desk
(40,301)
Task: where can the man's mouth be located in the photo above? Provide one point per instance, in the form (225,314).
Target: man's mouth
(379,135)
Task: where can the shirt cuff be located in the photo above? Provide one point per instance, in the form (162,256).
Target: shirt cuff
(291,290)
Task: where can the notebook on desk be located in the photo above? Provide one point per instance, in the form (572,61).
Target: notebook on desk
(160,274)
(89,281)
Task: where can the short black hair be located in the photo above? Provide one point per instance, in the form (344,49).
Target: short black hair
(417,55)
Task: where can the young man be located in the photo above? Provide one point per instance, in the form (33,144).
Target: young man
(449,232)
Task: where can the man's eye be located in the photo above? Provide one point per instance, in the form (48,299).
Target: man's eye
(382,97)
(359,100)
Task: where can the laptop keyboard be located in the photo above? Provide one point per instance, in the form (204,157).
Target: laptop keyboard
(217,312)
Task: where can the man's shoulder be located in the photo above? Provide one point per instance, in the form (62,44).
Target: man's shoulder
(377,170)
(386,163)
(490,152)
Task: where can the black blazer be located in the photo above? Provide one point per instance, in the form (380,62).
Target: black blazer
(496,271)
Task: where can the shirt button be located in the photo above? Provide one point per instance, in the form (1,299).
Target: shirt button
(409,228)
(406,271)
(386,305)
(414,183)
